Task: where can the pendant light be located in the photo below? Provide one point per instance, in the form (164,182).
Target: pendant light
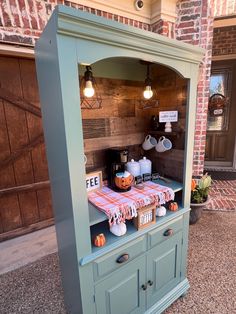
(88,77)
(90,96)
(148,93)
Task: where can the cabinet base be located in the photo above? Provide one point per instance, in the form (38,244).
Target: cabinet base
(169,298)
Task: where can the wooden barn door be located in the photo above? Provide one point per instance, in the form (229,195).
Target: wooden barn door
(25,199)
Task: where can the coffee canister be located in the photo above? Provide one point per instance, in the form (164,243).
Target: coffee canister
(145,166)
(133,167)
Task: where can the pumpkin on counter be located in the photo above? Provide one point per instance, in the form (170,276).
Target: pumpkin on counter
(99,240)
(123,180)
(173,206)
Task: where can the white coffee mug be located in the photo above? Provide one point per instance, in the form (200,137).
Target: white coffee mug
(163,144)
(149,142)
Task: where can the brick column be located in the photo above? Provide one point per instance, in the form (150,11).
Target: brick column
(194,25)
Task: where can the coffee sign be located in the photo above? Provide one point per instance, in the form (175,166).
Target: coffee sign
(94,181)
(168,116)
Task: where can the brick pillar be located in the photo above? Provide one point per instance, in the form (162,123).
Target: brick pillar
(194,25)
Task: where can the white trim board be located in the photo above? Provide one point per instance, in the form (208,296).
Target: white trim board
(17,51)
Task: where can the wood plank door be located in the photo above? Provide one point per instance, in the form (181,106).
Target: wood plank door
(221,127)
(25,199)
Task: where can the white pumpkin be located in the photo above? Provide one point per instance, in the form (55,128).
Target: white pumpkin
(119,229)
(160,211)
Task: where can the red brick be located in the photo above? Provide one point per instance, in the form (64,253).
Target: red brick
(32,12)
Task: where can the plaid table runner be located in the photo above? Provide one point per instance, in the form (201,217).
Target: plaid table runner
(121,206)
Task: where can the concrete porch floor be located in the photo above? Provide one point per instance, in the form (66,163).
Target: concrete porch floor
(27,249)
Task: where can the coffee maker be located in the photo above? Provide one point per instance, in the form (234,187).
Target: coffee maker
(117,159)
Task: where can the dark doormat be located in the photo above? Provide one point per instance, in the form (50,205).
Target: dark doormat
(222,175)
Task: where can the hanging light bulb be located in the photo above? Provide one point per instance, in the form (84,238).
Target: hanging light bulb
(148,93)
(88,77)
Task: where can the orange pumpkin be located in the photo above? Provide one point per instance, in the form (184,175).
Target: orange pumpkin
(123,183)
(173,206)
(193,185)
(99,240)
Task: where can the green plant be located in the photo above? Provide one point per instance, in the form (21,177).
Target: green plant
(200,190)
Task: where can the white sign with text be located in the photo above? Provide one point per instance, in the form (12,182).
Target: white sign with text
(168,116)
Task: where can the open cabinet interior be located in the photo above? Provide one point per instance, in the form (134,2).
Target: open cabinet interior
(122,118)
(150,262)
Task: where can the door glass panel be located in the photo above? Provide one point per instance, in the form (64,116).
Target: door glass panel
(218,116)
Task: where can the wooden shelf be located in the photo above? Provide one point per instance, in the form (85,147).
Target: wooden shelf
(96,216)
(176,133)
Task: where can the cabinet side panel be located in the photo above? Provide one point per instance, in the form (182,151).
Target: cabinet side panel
(68,196)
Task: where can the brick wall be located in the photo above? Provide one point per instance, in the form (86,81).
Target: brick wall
(224,41)
(22,21)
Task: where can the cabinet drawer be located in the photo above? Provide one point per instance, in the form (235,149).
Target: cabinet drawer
(110,262)
(161,234)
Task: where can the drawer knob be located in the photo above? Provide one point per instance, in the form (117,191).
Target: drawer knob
(150,282)
(144,287)
(123,258)
(168,232)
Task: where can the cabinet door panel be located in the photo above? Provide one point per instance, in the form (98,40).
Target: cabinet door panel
(163,268)
(121,292)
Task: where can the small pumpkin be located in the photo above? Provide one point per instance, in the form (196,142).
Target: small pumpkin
(99,240)
(124,180)
(173,206)
(193,184)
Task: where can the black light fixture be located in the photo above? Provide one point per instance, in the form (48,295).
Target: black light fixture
(148,93)
(88,90)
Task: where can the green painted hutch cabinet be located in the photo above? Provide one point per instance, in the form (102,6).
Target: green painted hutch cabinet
(154,276)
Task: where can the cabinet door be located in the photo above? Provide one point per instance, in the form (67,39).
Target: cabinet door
(121,292)
(163,268)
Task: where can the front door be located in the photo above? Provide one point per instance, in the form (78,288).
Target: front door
(221,126)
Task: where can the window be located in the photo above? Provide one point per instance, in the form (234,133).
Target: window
(219,84)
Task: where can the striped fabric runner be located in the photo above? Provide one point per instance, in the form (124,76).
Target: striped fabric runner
(121,206)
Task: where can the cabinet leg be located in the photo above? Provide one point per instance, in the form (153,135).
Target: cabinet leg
(184,294)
